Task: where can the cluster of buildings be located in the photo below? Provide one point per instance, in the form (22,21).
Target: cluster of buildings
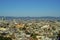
(30,29)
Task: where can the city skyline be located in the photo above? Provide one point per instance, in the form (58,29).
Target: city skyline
(32,8)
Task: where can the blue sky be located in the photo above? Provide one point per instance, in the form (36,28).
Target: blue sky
(33,8)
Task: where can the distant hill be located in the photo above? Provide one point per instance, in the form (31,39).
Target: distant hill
(27,18)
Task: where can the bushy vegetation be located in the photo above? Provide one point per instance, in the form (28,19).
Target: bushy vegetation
(5,38)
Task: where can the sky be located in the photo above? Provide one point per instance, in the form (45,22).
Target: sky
(32,8)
